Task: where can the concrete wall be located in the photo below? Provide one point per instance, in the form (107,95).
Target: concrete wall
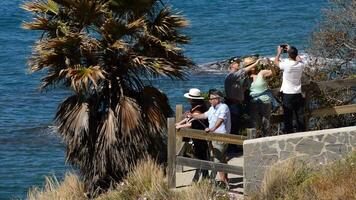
(317,147)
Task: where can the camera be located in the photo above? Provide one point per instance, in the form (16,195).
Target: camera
(284,48)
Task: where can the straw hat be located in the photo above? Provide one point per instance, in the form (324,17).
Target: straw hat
(194,93)
(249,60)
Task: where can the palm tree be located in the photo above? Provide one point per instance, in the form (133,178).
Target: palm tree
(105,52)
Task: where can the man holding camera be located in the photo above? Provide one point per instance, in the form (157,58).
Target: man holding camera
(293,101)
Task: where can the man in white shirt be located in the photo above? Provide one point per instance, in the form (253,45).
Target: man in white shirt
(293,101)
(219,119)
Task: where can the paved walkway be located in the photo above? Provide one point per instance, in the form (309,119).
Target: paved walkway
(184,179)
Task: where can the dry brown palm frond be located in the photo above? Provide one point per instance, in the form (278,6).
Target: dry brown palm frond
(129,113)
(109,128)
(156,108)
(156,66)
(39,23)
(72,120)
(80,77)
(120,45)
(42,6)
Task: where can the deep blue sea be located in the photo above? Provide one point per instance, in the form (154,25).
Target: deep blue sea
(29,150)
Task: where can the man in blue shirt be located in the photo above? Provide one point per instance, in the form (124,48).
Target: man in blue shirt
(219,119)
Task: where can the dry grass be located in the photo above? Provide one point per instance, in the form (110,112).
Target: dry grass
(203,190)
(337,181)
(298,181)
(145,181)
(70,189)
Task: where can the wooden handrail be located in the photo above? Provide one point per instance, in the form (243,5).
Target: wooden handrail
(209,165)
(321,112)
(200,134)
(322,85)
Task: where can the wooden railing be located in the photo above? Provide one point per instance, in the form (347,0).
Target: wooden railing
(175,157)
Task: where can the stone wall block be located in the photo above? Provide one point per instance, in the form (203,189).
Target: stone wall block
(319,137)
(249,149)
(353,140)
(337,148)
(268,160)
(310,147)
(343,138)
(282,145)
(330,139)
(268,148)
(285,154)
(294,140)
(289,147)
(353,133)
(330,156)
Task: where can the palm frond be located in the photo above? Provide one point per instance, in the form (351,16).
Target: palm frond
(129,113)
(156,109)
(156,66)
(109,129)
(165,26)
(80,77)
(39,23)
(41,6)
(114,29)
(72,119)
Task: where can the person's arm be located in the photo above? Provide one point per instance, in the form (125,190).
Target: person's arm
(216,126)
(278,55)
(249,68)
(185,120)
(199,115)
(299,59)
(266,73)
(186,125)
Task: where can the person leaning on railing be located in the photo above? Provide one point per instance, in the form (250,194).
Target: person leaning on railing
(200,146)
(219,119)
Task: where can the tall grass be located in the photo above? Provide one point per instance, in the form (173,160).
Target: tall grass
(145,181)
(70,189)
(298,181)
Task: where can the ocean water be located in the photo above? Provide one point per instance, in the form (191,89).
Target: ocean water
(29,150)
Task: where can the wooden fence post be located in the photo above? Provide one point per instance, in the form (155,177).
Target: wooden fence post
(179,141)
(171,171)
(251,133)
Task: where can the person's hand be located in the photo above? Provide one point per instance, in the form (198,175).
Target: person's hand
(279,49)
(186,114)
(209,130)
(189,115)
